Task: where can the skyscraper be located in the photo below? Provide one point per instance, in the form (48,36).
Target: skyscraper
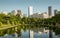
(55,12)
(30,10)
(50,11)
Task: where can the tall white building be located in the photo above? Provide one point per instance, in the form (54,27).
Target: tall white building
(30,10)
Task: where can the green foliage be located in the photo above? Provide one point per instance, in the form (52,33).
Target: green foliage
(0,23)
(12,23)
(16,20)
(8,22)
(9,19)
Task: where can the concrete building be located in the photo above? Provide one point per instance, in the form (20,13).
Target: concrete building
(15,12)
(58,12)
(4,12)
(30,10)
(31,34)
(55,12)
(19,12)
(37,15)
(50,11)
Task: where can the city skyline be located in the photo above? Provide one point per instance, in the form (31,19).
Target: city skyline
(38,5)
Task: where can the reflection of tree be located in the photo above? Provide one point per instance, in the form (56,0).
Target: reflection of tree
(1,33)
(10,31)
(57,31)
(17,33)
(50,34)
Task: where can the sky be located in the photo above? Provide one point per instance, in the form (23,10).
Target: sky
(39,6)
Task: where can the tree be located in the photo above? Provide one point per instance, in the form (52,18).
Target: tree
(8,22)
(13,23)
(0,23)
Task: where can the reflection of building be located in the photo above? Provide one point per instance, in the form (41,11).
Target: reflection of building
(31,34)
(50,11)
(30,11)
(39,31)
(17,34)
(50,34)
(6,35)
(37,15)
(45,30)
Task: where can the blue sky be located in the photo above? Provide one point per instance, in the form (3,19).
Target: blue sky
(38,5)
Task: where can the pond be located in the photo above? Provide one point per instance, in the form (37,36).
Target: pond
(35,32)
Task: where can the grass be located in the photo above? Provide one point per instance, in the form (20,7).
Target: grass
(6,26)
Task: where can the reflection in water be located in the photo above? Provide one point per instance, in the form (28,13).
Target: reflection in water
(31,34)
(50,34)
(17,34)
(35,32)
(39,31)
(6,35)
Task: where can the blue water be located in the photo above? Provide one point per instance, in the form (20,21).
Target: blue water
(25,34)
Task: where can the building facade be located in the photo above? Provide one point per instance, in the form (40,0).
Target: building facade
(55,12)
(15,12)
(37,15)
(50,11)
(30,10)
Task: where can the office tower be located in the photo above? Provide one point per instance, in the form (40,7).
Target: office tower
(50,11)
(55,12)
(30,10)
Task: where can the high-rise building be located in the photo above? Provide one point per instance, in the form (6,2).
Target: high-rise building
(55,12)
(30,10)
(50,11)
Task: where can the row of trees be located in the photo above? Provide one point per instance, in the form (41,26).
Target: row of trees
(9,19)
(16,19)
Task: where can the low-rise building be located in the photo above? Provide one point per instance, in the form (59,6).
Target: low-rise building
(15,12)
(38,15)
(6,13)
